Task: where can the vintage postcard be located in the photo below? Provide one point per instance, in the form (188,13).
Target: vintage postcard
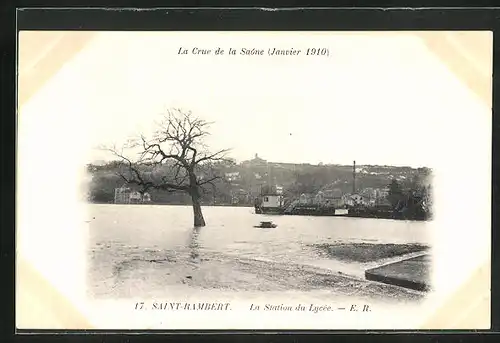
(254,180)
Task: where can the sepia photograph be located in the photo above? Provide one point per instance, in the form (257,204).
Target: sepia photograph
(269,225)
(256,180)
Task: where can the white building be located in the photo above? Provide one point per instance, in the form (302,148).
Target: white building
(357,200)
(329,197)
(232,176)
(122,195)
(135,198)
(125,195)
(369,193)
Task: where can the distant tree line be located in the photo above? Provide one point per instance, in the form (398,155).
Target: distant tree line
(414,201)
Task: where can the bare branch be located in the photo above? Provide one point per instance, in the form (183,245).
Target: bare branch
(209,181)
(172,157)
(218,156)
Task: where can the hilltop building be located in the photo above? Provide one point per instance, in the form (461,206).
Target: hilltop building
(255,162)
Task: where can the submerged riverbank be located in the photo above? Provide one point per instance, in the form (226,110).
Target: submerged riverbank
(367,252)
(150,274)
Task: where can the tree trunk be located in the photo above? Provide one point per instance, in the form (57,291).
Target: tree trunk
(194,191)
(199,221)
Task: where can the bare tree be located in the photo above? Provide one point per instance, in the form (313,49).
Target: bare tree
(173,159)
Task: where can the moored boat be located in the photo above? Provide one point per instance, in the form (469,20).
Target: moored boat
(266,225)
(270,203)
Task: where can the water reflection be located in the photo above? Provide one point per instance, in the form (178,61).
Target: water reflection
(194,247)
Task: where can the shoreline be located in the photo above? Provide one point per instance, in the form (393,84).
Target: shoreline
(365,215)
(213,275)
(170,204)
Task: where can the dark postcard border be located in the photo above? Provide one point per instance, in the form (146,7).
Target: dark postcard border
(258,19)
(239,20)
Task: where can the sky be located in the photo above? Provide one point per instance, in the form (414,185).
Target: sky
(377,98)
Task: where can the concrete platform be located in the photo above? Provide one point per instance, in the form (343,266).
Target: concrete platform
(413,273)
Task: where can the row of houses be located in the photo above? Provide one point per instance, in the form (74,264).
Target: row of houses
(244,196)
(335,197)
(125,195)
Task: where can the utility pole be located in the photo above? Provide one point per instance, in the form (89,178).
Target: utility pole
(354,177)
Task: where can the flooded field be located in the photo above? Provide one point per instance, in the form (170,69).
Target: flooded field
(142,250)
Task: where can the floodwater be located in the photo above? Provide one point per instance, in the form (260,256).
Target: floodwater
(143,250)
